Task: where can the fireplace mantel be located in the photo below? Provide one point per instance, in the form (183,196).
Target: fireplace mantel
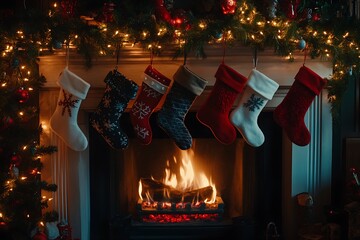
(305,169)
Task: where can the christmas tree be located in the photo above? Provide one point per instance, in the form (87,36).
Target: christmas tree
(21,200)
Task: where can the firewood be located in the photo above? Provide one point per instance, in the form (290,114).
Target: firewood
(161,192)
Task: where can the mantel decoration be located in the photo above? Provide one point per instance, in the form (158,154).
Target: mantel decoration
(325,29)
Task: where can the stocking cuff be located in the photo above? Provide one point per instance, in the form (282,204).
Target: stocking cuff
(156,85)
(73,84)
(190,80)
(124,86)
(231,77)
(310,79)
(262,84)
(156,75)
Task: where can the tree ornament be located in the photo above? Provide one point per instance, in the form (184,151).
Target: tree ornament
(228,6)
(291,7)
(68,8)
(14,171)
(52,230)
(22,95)
(6,122)
(316,17)
(108,12)
(180,19)
(65,230)
(218,35)
(302,44)
(15,62)
(162,11)
(57,45)
(177,19)
(39,236)
(15,160)
(272,8)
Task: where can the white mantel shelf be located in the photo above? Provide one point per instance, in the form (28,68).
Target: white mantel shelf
(305,169)
(134,60)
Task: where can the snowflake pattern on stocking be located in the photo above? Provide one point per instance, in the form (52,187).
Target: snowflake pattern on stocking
(141,110)
(254,103)
(110,126)
(106,101)
(151,92)
(67,103)
(142,132)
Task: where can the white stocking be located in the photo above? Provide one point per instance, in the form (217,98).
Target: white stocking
(63,122)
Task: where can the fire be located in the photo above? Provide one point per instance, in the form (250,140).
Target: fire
(184,180)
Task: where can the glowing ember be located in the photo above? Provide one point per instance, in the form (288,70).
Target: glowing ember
(181,218)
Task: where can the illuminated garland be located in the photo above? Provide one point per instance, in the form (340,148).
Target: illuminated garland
(190,26)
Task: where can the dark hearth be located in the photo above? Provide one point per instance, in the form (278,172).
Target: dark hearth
(248,184)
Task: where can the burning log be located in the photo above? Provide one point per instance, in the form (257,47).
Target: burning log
(161,192)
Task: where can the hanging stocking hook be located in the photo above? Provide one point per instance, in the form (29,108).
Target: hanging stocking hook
(117,55)
(255,57)
(305,54)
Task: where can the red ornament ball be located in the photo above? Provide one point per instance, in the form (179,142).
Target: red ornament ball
(177,18)
(39,236)
(180,19)
(22,95)
(6,122)
(316,17)
(16,160)
(228,6)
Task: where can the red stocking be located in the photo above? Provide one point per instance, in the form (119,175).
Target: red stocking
(153,88)
(215,112)
(291,111)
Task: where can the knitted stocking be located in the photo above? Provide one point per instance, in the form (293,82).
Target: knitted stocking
(153,88)
(291,111)
(63,122)
(215,112)
(186,87)
(106,119)
(258,91)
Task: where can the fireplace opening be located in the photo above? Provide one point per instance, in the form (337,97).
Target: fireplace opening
(135,195)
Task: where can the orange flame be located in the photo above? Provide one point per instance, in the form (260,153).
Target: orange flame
(186,179)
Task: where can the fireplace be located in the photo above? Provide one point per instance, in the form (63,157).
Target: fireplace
(303,169)
(247,182)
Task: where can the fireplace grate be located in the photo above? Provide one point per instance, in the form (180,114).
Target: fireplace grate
(162,212)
